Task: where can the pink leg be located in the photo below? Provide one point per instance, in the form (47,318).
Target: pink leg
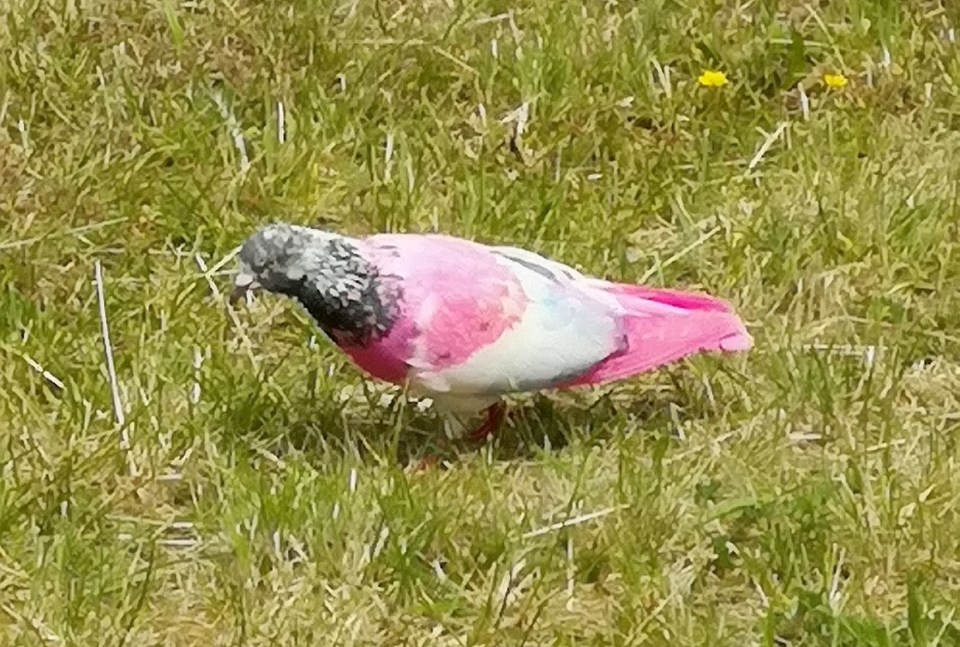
(495,416)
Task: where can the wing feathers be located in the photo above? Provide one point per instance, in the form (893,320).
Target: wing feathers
(562,332)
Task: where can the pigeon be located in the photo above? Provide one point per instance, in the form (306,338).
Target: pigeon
(465,323)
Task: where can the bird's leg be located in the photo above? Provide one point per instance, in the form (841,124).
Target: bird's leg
(496,413)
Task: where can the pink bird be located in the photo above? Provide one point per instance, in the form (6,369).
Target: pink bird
(466,323)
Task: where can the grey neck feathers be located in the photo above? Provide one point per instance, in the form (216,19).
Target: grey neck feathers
(343,291)
(346,295)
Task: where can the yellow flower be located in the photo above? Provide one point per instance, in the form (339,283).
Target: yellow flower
(835,81)
(712,79)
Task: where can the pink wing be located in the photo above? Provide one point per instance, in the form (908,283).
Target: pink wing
(459,298)
(479,320)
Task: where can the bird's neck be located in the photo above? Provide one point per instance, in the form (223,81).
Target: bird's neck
(349,300)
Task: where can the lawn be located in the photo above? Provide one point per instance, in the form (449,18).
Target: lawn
(224,477)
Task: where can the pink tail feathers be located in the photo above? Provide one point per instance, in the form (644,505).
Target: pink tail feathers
(664,326)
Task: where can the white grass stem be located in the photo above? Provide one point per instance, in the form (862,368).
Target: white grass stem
(108,352)
(835,596)
(4,106)
(180,543)
(885,59)
(47,375)
(352,480)
(768,141)
(219,265)
(207,274)
(234,127)
(574,521)
(185,542)
(24,135)
(196,391)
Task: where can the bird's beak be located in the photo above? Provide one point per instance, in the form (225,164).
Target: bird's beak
(243,285)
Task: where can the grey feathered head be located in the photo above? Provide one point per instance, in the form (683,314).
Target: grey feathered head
(326,273)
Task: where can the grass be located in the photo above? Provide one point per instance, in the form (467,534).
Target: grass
(805,494)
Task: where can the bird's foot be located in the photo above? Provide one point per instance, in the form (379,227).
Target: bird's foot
(435,453)
(496,413)
(425,464)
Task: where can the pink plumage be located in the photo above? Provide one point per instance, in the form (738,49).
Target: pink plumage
(467,323)
(664,326)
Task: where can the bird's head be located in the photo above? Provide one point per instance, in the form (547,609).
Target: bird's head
(279,258)
(326,272)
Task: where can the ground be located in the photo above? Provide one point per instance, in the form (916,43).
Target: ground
(246,486)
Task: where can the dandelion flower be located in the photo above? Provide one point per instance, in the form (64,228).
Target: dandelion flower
(835,81)
(712,79)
